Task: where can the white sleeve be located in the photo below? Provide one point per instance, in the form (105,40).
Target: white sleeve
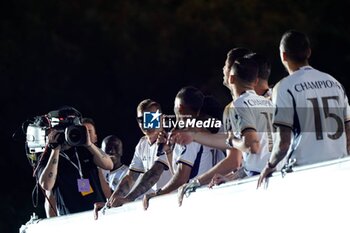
(283,101)
(189,154)
(136,163)
(163,159)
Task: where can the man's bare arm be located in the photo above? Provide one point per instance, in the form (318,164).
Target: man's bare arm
(125,184)
(248,143)
(347,131)
(279,151)
(281,144)
(101,159)
(180,177)
(47,178)
(104,185)
(202,137)
(149,179)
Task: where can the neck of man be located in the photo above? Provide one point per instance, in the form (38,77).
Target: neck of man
(293,66)
(117,164)
(262,87)
(152,138)
(241,88)
(232,94)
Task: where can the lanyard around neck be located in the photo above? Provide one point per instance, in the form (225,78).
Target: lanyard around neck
(64,155)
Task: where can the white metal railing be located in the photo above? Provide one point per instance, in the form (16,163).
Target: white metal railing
(312,198)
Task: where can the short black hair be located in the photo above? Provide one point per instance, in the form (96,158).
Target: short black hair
(296,45)
(263,63)
(117,140)
(235,53)
(87,120)
(245,69)
(192,97)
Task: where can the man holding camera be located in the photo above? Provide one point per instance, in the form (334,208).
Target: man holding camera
(69,169)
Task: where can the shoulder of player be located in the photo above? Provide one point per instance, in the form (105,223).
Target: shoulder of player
(143,140)
(241,101)
(142,144)
(333,80)
(186,148)
(281,86)
(208,149)
(194,149)
(228,106)
(283,82)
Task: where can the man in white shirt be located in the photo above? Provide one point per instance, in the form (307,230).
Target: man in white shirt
(223,171)
(233,158)
(250,118)
(192,159)
(113,146)
(146,161)
(312,118)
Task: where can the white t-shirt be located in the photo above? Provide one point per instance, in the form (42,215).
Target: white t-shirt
(200,158)
(252,111)
(314,105)
(113,178)
(145,156)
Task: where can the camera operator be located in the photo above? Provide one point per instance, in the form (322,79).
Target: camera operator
(70,172)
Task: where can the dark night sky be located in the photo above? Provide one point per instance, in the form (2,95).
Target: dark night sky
(103,57)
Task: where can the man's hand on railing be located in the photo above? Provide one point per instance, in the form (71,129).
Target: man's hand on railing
(97,207)
(146,199)
(187,189)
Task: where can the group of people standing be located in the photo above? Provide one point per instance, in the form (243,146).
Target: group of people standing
(304,118)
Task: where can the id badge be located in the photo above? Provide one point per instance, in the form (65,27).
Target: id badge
(83,185)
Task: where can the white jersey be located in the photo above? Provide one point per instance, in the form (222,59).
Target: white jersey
(252,111)
(227,116)
(145,156)
(314,105)
(113,178)
(200,158)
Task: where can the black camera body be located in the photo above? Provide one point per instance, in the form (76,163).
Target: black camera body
(66,121)
(72,132)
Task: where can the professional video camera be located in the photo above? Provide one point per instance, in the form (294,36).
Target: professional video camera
(66,120)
